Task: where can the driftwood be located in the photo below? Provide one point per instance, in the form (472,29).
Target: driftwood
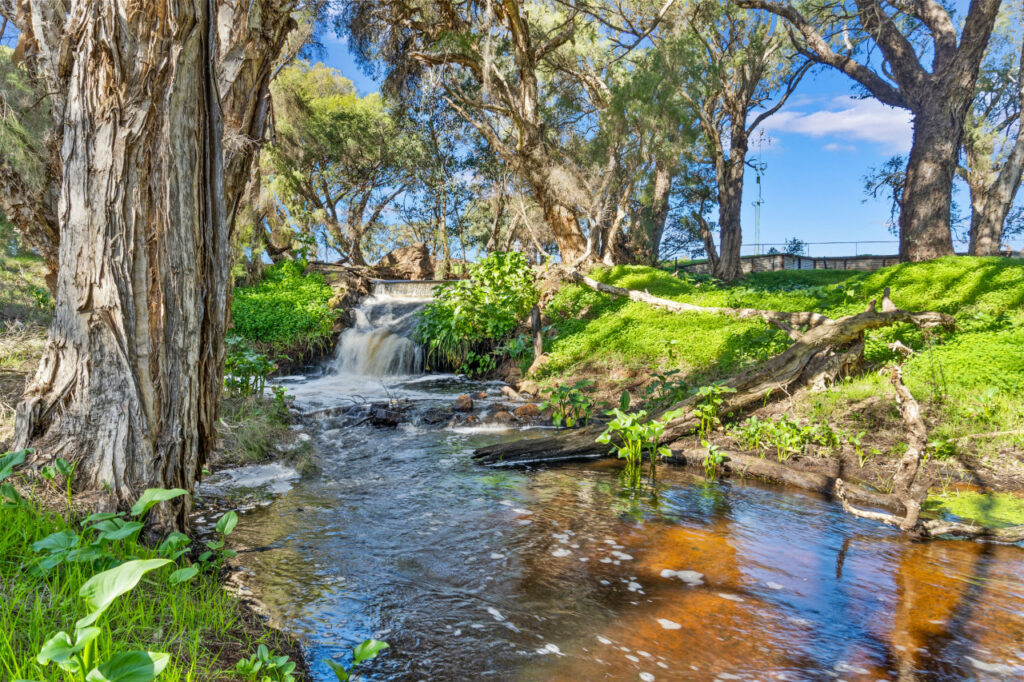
(828,349)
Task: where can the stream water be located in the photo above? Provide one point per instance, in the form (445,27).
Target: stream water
(561,574)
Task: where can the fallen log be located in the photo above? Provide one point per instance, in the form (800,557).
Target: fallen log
(748,466)
(771,316)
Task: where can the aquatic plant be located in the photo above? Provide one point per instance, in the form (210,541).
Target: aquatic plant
(245,370)
(712,460)
(637,435)
(263,666)
(367,650)
(708,406)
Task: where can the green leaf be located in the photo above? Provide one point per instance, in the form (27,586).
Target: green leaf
(227,523)
(120,533)
(183,575)
(133,666)
(10,460)
(58,649)
(368,650)
(9,494)
(339,670)
(57,542)
(100,591)
(154,496)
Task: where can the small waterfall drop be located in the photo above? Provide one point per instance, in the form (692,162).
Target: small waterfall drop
(379,342)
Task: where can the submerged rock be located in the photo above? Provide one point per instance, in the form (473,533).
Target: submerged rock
(438,415)
(482,395)
(502,416)
(383,417)
(464,403)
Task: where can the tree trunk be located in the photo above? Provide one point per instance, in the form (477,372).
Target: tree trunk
(992,194)
(925,214)
(564,225)
(129,384)
(648,241)
(730,204)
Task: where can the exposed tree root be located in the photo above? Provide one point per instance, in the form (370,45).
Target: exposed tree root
(911,489)
(770,316)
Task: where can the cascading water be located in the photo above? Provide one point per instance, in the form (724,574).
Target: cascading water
(378,343)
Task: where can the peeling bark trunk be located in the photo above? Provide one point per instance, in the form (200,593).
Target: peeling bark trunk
(992,194)
(572,245)
(160,114)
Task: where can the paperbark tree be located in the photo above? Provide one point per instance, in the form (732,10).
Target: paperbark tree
(884,45)
(159,109)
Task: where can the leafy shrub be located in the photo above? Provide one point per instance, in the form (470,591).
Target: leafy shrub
(569,404)
(245,370)
(288,311)
(468,318)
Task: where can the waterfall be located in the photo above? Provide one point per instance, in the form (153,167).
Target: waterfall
(379,343)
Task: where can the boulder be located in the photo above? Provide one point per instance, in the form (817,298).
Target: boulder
(407,262)
(527,412)
(381,416)
(482,395)
(510,393)
(464,403)
(529,387)
(502,416)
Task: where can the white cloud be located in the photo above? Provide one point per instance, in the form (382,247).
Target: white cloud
(848,118)
(836,147)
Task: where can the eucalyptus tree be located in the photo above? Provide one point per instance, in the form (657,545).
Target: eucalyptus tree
(337,161)
(913,54)
(531,78)
(156,115)
(738,68)
(994,140)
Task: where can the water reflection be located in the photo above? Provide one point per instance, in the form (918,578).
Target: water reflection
(561,574)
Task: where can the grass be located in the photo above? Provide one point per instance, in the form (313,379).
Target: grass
(253,429)
(197,622)
(971,382)
(25,311)
(23,293)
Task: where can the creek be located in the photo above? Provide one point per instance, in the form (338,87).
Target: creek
(562,574)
